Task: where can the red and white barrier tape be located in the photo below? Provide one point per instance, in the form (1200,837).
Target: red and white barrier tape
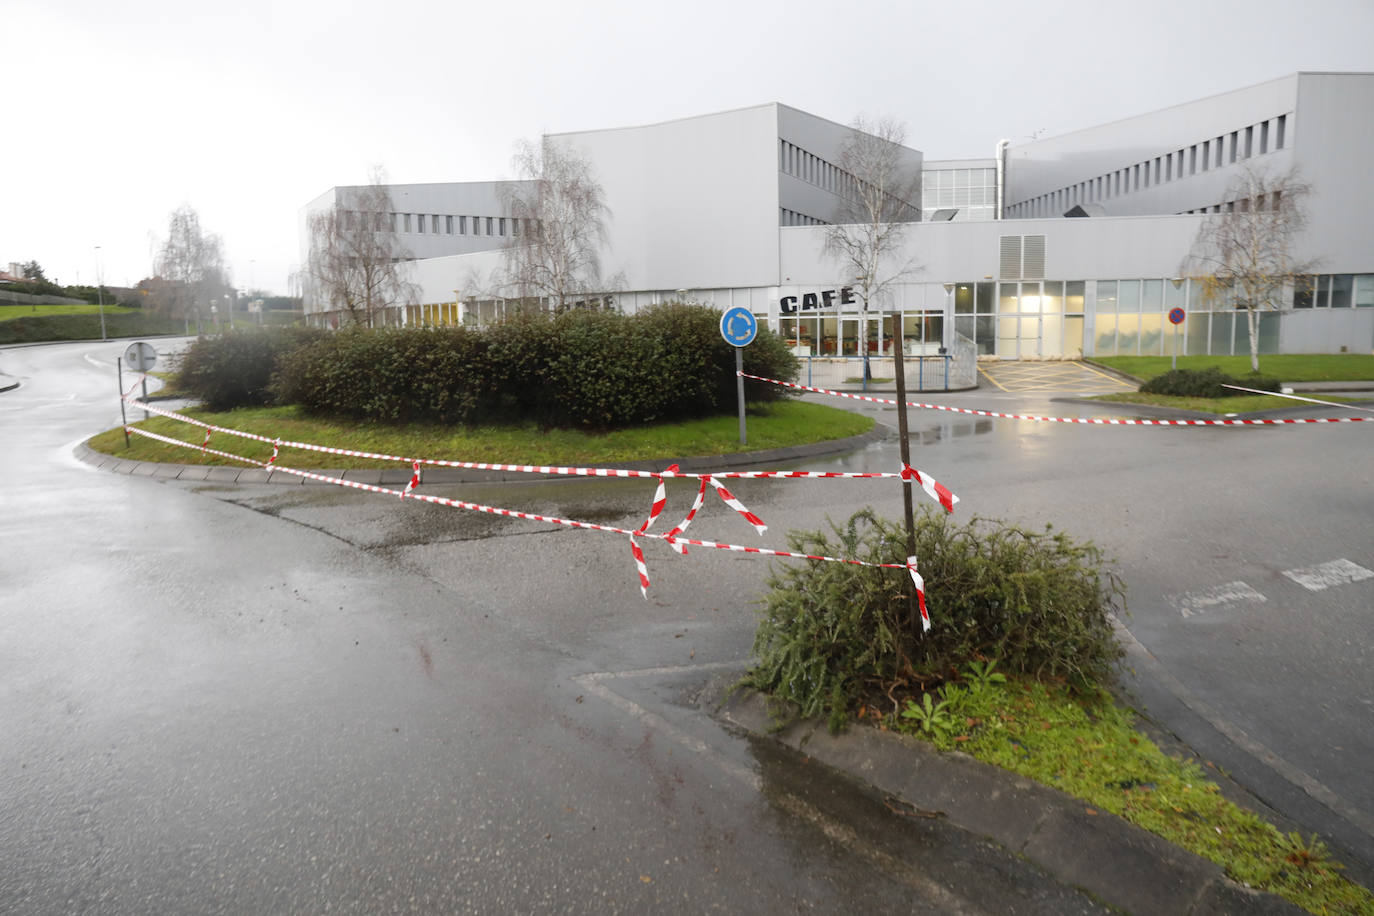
(551,470)
(1093,421)
(920,592)
(931,486)
(673,538)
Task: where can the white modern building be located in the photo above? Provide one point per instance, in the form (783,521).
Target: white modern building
(1064,247)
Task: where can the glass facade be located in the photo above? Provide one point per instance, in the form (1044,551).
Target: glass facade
(1066,319)
(972,193)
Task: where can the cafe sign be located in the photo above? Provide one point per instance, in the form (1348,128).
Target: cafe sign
(816,302)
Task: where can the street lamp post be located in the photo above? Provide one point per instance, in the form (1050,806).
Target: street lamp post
(100,293)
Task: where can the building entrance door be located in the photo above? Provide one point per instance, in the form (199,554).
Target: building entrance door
(859,335)
(1018,321)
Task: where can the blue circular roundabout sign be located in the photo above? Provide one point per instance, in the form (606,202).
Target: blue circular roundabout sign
(738,326)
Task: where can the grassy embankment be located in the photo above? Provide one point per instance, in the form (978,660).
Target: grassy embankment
(768,426)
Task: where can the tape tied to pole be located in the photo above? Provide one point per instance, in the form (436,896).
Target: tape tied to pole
(936,490)
(920,592)
(414,480)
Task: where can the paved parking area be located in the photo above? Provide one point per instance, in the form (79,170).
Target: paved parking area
(1067,376)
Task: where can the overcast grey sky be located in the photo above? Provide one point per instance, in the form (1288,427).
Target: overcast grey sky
(117,113)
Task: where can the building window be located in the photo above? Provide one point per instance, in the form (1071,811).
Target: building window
(1364,291)
(1235,142)
(434,223)
(462,225)
(1279,131)
(1342,285)
(501,225)
(1249,141)
(448,225)
(490,220)
(1264,138)
(407,222)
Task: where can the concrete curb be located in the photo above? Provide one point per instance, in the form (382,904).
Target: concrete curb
(401,476)
(1121,864)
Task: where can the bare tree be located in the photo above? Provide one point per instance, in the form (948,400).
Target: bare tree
(879,198)
(190,266)
(1246,254)
(355,255)
(560,215)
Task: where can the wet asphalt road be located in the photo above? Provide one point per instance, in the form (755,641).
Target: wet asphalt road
(298,699)
(301,700)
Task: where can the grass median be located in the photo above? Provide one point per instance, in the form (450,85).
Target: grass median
(1288,367)
(1242,404)
(1085,744)
(777,425)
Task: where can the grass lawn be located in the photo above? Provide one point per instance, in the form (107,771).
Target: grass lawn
(8,312)
(775,425)
(1087,745)
(1248,403)
(1296,367)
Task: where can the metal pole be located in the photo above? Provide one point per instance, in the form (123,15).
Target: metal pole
(100,294)
(903,433)
(739,390)
(123,417)
(145,394)
(1174,363)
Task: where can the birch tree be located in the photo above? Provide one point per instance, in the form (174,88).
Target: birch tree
(356,255)
(1247,253)
(879,199)
(560,213)
(190,264)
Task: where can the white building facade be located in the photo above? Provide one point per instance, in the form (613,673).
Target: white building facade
(730,208)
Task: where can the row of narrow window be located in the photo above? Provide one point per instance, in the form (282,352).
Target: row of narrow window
(1262,202)
(442,224)
(797,162)
(793,218)
(1214,153)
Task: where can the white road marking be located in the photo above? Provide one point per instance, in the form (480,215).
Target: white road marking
(1191,604)
(1325,575)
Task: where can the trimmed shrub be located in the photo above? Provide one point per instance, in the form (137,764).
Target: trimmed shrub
(1205,383)
(832,634)
(391,375)
(235,369)
(583,368)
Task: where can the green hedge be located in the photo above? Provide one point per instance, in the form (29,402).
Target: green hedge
(1205,383)
(236,369)
(588,369)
